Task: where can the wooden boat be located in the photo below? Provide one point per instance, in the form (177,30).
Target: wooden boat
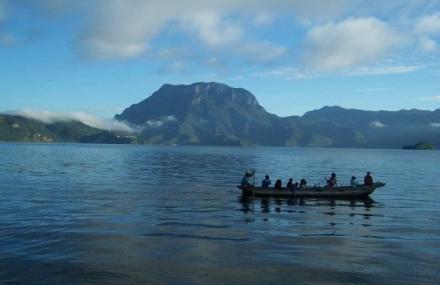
(315,191)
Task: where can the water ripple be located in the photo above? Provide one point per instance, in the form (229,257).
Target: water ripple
(98,214)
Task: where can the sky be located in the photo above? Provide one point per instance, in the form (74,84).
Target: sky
(98,57)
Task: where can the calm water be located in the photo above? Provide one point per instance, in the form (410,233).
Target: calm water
(99,214)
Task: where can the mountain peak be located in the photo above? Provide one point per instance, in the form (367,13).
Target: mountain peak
(203,88)
(200,83)
(200,91)
(179,100)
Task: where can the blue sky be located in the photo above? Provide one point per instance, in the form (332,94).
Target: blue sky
(101,56)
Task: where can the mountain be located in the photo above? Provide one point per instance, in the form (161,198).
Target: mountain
(376,129)
(208,113)
(216,114)
(18,128)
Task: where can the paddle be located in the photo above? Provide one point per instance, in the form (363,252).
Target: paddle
(253,191)
(320,182)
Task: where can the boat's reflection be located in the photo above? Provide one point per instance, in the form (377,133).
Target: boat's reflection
(267,204)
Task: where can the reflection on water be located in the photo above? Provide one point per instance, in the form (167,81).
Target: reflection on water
(267,204)
(91,214)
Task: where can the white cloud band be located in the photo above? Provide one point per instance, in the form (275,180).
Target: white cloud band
(49,117)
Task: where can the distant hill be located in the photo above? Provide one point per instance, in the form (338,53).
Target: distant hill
(216,114)
(388,129)
(419,146)
(18,128)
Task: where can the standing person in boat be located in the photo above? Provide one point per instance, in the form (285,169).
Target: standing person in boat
(368,179)
(332,181)
(265,183)
(245,180)
(278,184)
(353,182)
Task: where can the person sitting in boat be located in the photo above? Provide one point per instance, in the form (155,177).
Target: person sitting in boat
(266,182)
(245,180)
(290,185)
(368,179)
(353,182)
(303,184)
(278,184)
(332,181)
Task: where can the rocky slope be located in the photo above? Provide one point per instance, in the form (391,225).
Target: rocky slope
(216,114)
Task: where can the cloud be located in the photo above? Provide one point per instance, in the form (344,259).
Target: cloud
(234,77)
(262,51)
(177,66)
(242,31)
(106,49)
(172,53)
(119,29)
(160,122)
(292,73)
(428,45)
(213,61)
(372,90)
(49,117)
(288,73)
(435,125)
(211,29)
(428,24)
(125,29)
(377,124)
(263,19)
(350,43)
(383,69)
(427,27)
(430,98)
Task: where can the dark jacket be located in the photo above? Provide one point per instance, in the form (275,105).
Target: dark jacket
(368,180)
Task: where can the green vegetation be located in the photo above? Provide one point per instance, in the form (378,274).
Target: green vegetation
(21,129)
(16,128)
(420,146)
(216,114)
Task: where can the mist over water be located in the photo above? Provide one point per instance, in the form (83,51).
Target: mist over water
(123,214)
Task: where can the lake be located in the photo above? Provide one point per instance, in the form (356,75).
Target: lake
(135,214)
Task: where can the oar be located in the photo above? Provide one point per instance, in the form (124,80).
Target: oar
(320,182)
(253,191)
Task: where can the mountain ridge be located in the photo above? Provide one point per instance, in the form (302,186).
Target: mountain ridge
(15,128)
(214,113)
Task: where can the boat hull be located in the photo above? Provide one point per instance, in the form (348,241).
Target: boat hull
(335,192)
